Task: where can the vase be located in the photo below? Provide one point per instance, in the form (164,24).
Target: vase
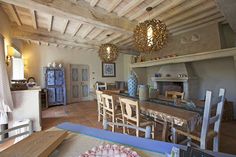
(132,85)
(143,92)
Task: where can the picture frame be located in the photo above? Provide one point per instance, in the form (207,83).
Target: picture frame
(108,69)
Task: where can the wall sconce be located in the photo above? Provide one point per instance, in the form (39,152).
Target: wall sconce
(10,54)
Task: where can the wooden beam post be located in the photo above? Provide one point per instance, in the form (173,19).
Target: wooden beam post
(34,19)
(14,14)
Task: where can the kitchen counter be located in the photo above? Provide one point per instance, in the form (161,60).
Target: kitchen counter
(27,105)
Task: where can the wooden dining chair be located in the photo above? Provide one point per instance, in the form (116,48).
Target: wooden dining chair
(101,86)
(131,115)
(110,112)
(174,95)
(20,132)
(206,132)
(100,104)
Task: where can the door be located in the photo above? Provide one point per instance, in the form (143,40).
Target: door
(79,84)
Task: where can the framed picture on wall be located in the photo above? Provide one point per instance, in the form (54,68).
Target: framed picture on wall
(108,69)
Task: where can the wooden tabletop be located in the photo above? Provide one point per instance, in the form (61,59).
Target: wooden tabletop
(39,144)
(179,114)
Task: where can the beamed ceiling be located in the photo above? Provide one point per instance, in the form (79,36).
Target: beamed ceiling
(86,24)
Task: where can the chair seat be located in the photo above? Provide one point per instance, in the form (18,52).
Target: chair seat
(195,135)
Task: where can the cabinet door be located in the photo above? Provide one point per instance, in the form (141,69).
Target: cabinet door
(59,77)
(50,77)
(59,95)
(51,95)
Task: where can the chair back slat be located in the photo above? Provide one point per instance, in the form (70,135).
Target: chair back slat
(214,119)
(130,109)
(101,86)
(206,117)
(108,103)
(174,95)
(219,110)
(27,131)
(99,96)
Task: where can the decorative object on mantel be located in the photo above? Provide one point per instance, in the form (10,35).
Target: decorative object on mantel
(132,84)
(143,92)
(55,65)
(108,52)
(150,35)
(108,69)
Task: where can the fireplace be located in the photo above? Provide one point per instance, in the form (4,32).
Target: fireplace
(176,77)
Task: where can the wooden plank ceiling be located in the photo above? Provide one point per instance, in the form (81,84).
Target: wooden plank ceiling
(86,24)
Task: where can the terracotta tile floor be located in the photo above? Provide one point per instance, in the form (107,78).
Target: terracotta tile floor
(86,113)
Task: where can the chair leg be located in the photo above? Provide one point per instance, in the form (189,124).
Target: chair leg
(153,131)
(137,132)
(99,114)
(113,126)
(203,143)
(174,135)
(216,143)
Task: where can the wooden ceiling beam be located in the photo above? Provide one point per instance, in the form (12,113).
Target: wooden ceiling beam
(105,35)
(113,37)
(26,30)
(127,8)
(181,8)
(143,10)
(87,31)
(194,11)
(95,33)
(193,19)
(79,12)
(14,13)
(168,4)
(123,38)
(113,5)
(93,3)
(66,22)
(76,29)
(51,18)
(34,19)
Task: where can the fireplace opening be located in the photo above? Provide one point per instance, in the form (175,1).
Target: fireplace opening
(170,86)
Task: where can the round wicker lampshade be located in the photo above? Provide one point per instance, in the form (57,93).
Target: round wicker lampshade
(150,35)
(108,52)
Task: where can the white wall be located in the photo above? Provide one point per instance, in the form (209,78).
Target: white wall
(214,74)
(37,57)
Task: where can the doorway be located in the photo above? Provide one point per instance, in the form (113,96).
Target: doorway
(79,83)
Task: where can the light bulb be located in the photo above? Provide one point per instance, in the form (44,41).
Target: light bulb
(150,35)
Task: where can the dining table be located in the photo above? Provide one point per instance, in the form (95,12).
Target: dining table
(168,111)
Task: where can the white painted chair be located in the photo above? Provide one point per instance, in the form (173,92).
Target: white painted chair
(109,111)
(20,132)
(206,133)
(147,129)
(174,95)
(131,116)
(100,104)
(101,86)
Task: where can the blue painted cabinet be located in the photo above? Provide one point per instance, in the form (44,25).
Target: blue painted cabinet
(55,84)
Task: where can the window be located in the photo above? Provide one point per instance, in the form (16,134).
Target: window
(17,69)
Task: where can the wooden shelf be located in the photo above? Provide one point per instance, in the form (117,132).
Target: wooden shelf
(188,58)
(170,79)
